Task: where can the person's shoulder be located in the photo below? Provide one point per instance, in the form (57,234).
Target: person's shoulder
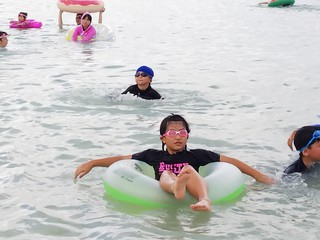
(152,89)
(78,28)
(129,89)
(203,153)
(155,93)
(147,154)
(199,150)
(296,166)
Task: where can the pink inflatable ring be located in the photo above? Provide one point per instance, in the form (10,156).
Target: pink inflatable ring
(29,23)
(80,6)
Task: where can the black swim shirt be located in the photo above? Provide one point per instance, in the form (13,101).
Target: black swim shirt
(147,94)
(296,166)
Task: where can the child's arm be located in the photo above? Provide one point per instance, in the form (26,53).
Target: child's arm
(290,139)
(85,168)
(100,15)
(260,177)
(21,24)
(60,19)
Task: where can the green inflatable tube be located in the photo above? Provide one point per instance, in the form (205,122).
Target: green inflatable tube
(133,182)
(281,3)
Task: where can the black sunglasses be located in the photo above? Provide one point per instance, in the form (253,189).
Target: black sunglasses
(142,74)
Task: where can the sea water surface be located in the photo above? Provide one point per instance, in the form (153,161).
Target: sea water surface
(243,75)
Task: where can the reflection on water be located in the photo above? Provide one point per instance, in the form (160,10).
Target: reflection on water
(244,76)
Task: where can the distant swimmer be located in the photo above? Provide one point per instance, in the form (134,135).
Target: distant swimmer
(3,39)
(25,23)
(268,2)
(78,18)
(307,141)
(85,32)
(278,3)
(22,18)
(143,87)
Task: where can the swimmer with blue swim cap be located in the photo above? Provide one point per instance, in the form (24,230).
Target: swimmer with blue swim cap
(142,88)
(307,141)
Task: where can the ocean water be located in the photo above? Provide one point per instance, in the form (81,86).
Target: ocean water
(243,75)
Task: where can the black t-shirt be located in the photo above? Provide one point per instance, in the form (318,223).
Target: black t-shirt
(296,166)
(162,160)
(147,94)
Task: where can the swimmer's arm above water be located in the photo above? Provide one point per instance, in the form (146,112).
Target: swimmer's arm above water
(85,168)
(246,169)
(60,19)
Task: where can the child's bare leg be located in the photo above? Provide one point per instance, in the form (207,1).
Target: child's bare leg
(188,179)
(197,187)
(175,184)
(167,180)
(180,185)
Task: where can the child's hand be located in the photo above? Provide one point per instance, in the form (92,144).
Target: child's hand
(265,179)
(290,139)
(82,170)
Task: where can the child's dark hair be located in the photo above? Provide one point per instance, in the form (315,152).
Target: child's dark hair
(172,118)
(3,33)
(24,14)
(310,145)
(88,16)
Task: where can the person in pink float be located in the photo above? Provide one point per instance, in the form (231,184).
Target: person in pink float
(85,32)
(24,23)
(22,20)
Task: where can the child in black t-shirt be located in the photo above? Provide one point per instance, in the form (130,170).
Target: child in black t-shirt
(184,164)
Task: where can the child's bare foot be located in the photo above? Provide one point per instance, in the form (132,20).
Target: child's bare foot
(202,205)
(180,184)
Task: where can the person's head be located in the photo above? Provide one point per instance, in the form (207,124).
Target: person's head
(174,133)
(86,20)
(307,141)
(22,16)
(144,76)
(78,18)
(3,39)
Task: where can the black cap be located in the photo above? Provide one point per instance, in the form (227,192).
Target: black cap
(303,136)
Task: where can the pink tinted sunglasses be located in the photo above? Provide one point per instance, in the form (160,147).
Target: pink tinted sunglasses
(173,133)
